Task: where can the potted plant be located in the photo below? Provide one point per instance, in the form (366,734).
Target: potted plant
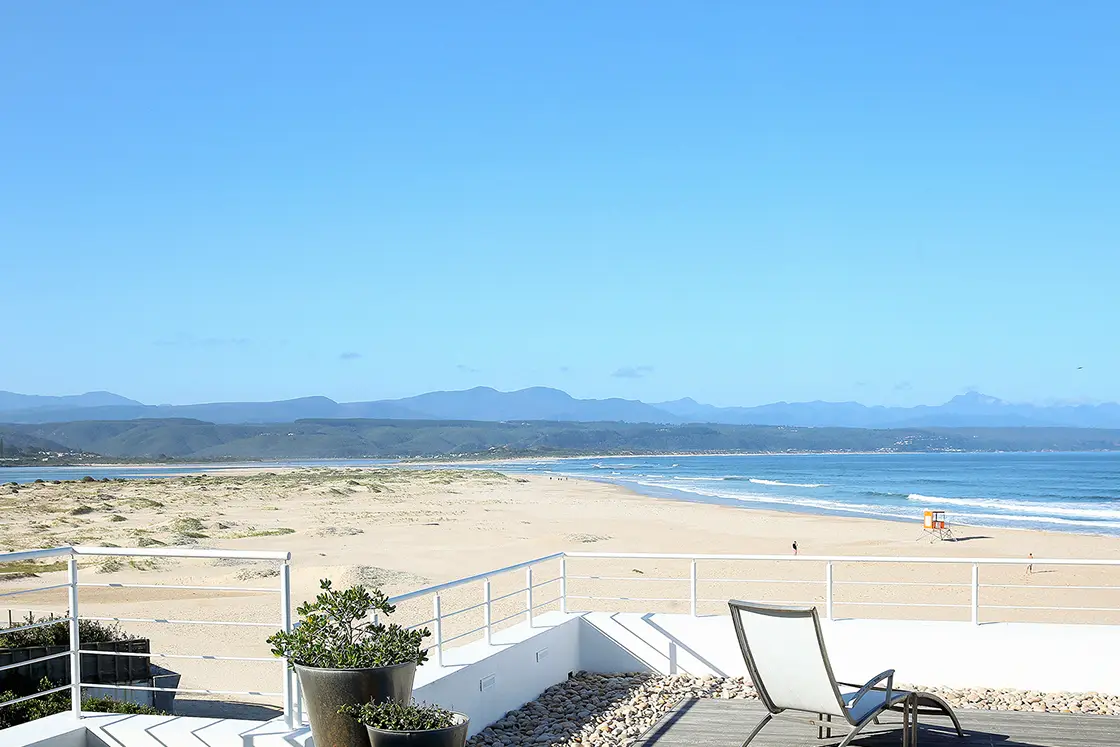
(343,658)
(391,724)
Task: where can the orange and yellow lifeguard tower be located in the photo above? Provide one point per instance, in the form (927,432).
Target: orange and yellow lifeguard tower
(935,525)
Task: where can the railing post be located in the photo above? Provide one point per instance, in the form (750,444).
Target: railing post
(975,594)
(290,715)
(487,614)
(529,596)
(438,615)
(828,590)
(692,587)
(75,640)
(564,584)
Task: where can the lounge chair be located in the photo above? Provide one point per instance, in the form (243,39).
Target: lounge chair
(789,666)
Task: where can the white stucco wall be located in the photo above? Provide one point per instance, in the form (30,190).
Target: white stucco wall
(1028,656)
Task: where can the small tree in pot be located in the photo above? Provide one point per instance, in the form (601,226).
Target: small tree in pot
(342,658)
(392,724)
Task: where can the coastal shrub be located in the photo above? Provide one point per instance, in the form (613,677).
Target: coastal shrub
(87,478)
(90,631)
(393,716)
(331,632)
(48,705)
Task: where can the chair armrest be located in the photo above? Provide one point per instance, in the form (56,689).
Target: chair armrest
(887,675)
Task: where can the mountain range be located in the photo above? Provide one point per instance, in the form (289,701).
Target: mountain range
(544,404)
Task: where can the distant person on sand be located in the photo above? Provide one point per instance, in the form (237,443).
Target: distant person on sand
(795,547)
(1030,565)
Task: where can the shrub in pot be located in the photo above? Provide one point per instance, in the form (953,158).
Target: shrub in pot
(391,724)
(343,658)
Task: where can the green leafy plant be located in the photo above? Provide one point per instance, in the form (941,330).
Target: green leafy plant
(333,632)
(89,631)
(59,702)
(392,716)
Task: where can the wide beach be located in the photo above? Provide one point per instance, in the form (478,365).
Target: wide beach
(403,529)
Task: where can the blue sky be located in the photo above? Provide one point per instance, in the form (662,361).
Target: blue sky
(739,202)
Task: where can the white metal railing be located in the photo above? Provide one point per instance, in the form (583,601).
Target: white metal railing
(824,587)
(829,583)
(74,616)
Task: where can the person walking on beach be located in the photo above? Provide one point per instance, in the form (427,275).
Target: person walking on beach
(795,547)
(1030,565)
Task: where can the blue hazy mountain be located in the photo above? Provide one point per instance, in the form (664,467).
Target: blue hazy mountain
(543,403)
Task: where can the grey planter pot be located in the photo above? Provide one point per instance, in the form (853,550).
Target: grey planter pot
(452,736)
(324,690)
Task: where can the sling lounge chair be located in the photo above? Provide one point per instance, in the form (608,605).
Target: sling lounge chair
(788,664)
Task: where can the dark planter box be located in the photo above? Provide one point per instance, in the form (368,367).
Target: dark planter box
(96,669)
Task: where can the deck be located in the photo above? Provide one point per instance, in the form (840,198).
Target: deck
(725,723)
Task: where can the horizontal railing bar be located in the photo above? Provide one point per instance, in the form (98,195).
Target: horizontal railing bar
(900,604)
(420,624)
(464,635)
(476,577)
(519,613)
(32,591)
(932,584)
(181,586)
(844,558)
(445,615)
(1032,586)
(546,583)
(143,655)
(628,578)
(760,580)
(1063,609)
(554,600)
(172,552)
(29,662)
(52,691)
(33,626)
(628,599)
(768,601)
(99,686)
(522,590)
(231,623)
(53,552)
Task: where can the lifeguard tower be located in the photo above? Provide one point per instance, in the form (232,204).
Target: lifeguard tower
(935,526)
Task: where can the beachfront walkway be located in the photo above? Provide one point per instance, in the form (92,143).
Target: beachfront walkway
(726,723)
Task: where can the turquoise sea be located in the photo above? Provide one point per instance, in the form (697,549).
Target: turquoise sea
(1058,492)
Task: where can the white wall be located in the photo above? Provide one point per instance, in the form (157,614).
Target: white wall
(520,675)
(1028,656)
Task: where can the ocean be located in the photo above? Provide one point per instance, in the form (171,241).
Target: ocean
(1057,492)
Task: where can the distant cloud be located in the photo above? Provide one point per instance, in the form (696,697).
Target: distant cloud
(465,369)
(190,341)
(903,386)
(565,369)
(632,372)
(349,356)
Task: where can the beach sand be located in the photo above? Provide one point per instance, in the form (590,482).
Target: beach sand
(402,529)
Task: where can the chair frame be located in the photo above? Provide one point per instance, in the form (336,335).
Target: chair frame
(909,704)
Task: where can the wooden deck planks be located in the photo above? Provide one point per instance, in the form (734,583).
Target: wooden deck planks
(726,723)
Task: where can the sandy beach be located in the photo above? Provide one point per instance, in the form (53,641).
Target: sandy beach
(402,529)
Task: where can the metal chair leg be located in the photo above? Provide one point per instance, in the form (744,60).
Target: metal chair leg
(765,720)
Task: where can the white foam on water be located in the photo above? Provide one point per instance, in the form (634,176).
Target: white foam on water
(760,481)
(1022,508)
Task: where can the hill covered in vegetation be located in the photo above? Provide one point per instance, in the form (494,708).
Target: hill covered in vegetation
(185,439)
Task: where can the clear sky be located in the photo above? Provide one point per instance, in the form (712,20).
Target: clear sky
(739,202)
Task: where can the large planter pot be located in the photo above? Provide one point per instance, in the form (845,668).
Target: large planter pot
(452,736)
(324,690)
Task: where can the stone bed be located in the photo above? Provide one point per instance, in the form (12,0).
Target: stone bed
(614,710)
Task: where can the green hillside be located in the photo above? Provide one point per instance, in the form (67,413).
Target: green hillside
(196,439)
